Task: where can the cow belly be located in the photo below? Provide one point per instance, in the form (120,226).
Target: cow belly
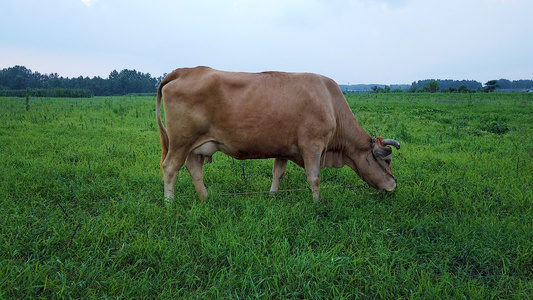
(247,151)
(252,141)
(257,150)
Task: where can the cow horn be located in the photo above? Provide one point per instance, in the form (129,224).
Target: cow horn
(391,142)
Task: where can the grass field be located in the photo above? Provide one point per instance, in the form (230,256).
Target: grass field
(82,213)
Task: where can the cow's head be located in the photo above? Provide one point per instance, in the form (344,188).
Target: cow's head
(377,172)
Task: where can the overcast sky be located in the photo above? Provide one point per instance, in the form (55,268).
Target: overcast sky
(350,41)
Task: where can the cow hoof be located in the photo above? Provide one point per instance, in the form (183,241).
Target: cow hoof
(168,202)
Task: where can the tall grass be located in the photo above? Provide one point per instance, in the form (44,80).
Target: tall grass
(82,211)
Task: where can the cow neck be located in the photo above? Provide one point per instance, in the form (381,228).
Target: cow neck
(357,148)
(351,137)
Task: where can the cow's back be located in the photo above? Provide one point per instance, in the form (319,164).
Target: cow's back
(250,115)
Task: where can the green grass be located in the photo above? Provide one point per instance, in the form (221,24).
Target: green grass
(82,211)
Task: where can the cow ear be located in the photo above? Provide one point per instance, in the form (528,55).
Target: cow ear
(383,151)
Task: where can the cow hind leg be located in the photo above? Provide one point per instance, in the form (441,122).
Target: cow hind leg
(171,166)
(194,164)
(277,173)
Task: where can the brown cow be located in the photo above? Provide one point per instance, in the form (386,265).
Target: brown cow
(300,117)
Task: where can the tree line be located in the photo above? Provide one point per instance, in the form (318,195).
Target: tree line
(460,86)
(447,85)
(19,80)
(443,86)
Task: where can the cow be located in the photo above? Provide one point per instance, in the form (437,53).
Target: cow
(301,117)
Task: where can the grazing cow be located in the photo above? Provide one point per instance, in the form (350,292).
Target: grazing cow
(300,117)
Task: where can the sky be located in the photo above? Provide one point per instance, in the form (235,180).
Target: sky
(350,41)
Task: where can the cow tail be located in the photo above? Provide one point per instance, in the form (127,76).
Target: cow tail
(162,131)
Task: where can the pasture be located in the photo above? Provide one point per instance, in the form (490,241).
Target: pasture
(82,213)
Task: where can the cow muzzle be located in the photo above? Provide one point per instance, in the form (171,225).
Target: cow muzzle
(392,186)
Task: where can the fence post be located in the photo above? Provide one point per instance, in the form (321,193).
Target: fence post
(28,92)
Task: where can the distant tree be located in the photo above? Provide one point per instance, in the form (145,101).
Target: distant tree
(432,87)
(505,84)
(20,82)
(463,89)
(54,81)
(491,86)
(523,84)
(413,88)
(447,85)
(377,89)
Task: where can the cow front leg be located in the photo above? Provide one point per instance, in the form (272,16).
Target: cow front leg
(278,170)
(312,170)
(171,166)
(314,180)
(194,164)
